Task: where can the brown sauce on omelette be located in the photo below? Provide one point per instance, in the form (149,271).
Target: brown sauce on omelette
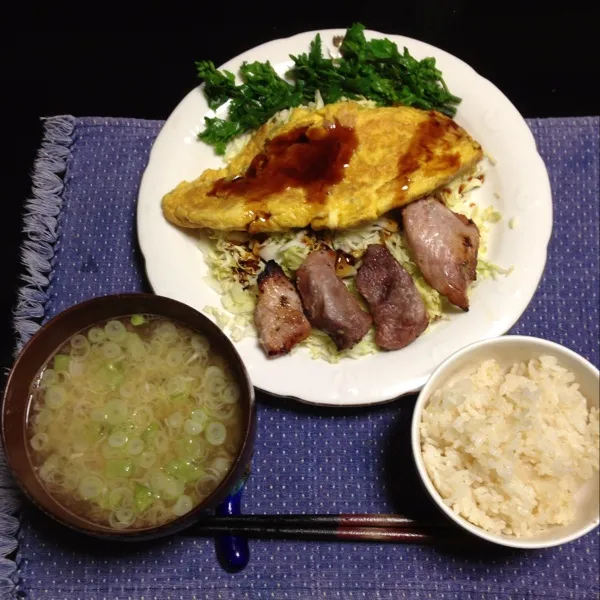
(424,151)
(312,158)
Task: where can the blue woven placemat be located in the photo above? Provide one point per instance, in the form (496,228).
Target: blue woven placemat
(82,244)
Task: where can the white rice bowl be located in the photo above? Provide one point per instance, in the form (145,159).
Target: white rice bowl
(506,440)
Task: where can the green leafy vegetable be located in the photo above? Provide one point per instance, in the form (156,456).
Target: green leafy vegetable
(219,86)
(373,70)
(262,95)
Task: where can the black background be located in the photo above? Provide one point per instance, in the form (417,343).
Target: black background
(544,59)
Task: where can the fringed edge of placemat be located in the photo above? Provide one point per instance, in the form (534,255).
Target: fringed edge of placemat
(40,230)
(41,225)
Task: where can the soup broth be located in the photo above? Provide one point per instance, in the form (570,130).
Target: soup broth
(134,422)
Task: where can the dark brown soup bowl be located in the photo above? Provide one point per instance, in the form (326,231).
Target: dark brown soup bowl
(17,401)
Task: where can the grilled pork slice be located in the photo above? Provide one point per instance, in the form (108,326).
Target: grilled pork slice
(278,314)
(395,303)
(445,246)
(328,303)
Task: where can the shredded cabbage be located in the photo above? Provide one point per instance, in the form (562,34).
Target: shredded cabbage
(235,259)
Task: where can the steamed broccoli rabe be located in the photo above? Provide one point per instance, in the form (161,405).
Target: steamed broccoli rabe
(374,70)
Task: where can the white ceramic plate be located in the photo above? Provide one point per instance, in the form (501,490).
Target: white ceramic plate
(518,186)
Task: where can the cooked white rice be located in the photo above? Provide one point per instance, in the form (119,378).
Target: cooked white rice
(508,448)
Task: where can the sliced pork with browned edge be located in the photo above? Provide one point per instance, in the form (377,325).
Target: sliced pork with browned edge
(278,315)
(445,246)
(395,303)
(328,303)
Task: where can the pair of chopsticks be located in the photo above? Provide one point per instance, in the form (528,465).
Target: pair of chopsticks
(350,527)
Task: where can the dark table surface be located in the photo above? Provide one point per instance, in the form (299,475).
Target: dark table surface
(545,60)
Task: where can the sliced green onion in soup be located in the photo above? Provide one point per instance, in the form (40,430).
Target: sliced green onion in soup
(94,431)
(150,431)
(168,486)
(153,364)
(155,348)
(214,380)
(98,415)
(230,393)
(143,497)
(193,448)
(63,376)
(118,468)
(199,415)
(137,320)
(146,459)
(200,345)
(115,331)
(61,362)
(117,439)
(76,368)
(96,335)
(142,417)
(179,400)
(136,348)
(52,462)
(161,442)
(184,470)
(148,390)
(135,447)
(125,515)
(109,452)
(121,518)
(120,497)
(80,346)
(207,484)
(44,418)
(174,358)
(157,481)
(219,410)
(111,350)
(215,433)
(166,332)
(174,386)
(46,472)
(192,427)
(183,505)
(49,378)
(55,397)
(81,439)
(39,441)
(72,477)
(116,412)
(91,487)
(221,465)
(127,389)
(110,375)
(173,488)
(175,420)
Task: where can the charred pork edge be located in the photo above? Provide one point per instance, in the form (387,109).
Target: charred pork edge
(271,269)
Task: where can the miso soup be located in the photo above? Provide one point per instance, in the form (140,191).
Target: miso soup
(134,422)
